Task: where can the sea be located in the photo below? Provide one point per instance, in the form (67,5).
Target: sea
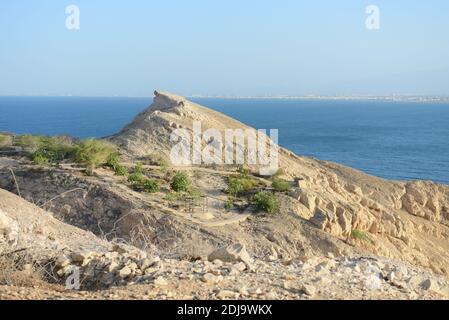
(393,140)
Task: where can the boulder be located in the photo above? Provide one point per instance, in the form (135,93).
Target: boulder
(233,253)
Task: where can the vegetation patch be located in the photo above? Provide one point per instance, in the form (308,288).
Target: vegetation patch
(5,141)
(180,182)
(93,153)
(265,201)
(151,186)
(281,185)
(241,185)
(359,235)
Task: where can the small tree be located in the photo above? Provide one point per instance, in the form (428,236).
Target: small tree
(266,202)
(93,153)
(180,182)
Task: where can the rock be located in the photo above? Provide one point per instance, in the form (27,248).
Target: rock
(210,278)
(240,267)
(82,257)
(160,282)
(233,253)
(112,266)
(271,296)
(319,219)
(308,290)
(9,229)
(227,294)
(62,262)
(125,272)
(148,262)
(244,291)
(430,285)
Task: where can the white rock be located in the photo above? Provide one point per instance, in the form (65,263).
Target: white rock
(308,290)
(227,294)
(233,253)
(210,278)
(160,282)
(125,272)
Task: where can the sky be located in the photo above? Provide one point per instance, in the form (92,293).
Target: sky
(235,48)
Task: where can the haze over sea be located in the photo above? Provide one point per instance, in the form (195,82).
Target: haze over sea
(395,140)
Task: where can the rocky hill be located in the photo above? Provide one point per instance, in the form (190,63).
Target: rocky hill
(337,233)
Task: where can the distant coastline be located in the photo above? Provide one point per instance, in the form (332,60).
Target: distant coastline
(383,98)
(393,98)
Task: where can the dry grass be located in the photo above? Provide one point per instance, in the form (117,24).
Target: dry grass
(17,269)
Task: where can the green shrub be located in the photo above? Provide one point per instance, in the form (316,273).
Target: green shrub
(359,235)
(93,153)
(5,141)
(40,159)
(54,149)
(173,196)
(113,160)
(180,182)
(229,204)
(238,186)
(243,171)
(281,185)
(151,186)
(235,187)
(194,193)
(29,143)
(120,170)
(265,202)
(137,178)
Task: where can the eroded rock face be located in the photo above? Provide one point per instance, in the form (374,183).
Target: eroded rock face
(427,200)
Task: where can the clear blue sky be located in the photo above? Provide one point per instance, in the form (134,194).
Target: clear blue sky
(231,47)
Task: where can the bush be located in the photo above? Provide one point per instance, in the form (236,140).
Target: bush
(93,153)
(281,185)
(240,185)
(195,193)
(113,160)
(151,186)
(180,182)
(137,178)
(121,170)
(229,204)
(40,159)
(173,196)
(266,202)
(29,143)
(114,163)
(5,141)
(45,150)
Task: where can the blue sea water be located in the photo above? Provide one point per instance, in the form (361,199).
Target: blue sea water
(395,140)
